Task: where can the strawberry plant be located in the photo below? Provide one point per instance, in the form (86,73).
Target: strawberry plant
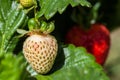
(31,50)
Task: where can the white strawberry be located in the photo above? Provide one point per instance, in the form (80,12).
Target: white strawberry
(40,50)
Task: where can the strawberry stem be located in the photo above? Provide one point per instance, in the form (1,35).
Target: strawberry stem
(86,16)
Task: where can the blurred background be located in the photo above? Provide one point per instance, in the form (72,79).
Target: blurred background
(111,11)
(112,65)
(109,14)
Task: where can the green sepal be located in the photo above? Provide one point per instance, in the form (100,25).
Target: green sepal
(22,32)
(32,24)
(50,27)
(46,27)
(43,26)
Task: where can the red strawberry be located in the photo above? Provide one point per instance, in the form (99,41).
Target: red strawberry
(96,40)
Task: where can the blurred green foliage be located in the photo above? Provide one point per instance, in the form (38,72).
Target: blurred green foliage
(12,67)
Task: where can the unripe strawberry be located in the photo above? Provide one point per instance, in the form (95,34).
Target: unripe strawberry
(27,3)
(40,50)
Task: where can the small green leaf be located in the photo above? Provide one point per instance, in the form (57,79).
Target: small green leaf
(50,7)
(21,31)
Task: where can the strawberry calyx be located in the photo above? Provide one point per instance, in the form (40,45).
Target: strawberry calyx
(44,27)
(23,32)
(47,28)
(33,24)
(33,32)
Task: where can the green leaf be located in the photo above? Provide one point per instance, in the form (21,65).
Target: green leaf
(50,7)
(78,65)
(12,67)
(11,18)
